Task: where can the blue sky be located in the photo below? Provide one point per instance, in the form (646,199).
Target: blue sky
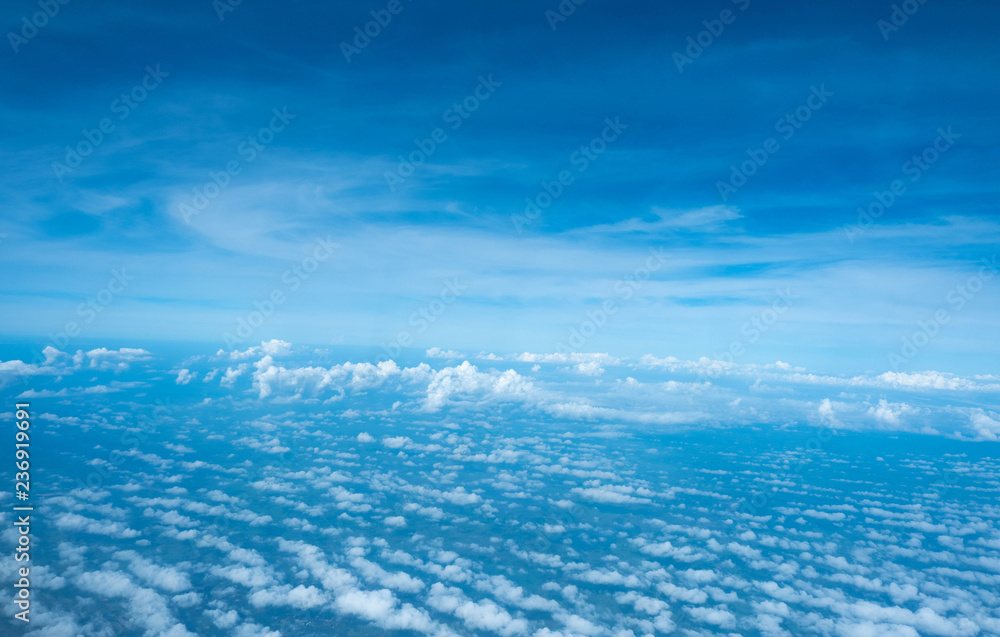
(652,189)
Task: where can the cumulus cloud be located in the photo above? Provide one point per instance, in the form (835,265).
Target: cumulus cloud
(300,597)
(112,360)
(490,516)
(146,608)
(465,381)
(478,616)
(78,523)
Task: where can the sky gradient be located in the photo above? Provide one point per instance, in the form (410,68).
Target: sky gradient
(256,120)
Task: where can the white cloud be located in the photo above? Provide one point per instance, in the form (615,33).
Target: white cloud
(75,522)
(986,426)
(479,616)
(708,219)
(112,360)
(300,597)
(466,381)
(437,352)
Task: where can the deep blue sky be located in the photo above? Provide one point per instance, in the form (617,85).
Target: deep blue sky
(654,187)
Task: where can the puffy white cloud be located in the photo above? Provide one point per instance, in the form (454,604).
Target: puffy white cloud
(269,378)
(274,347)
(985,425)
(371,605)
(613,494)
(479,616)
(167,578)
(465,381)
(106,359)
(146,608)
(76,523)
(716,616)
(232,375)
(249,576)
(889,413)
(396,442)
(12,370)
(300,597)
(590,368)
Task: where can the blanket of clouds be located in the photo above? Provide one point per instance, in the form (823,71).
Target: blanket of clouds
(283,490)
